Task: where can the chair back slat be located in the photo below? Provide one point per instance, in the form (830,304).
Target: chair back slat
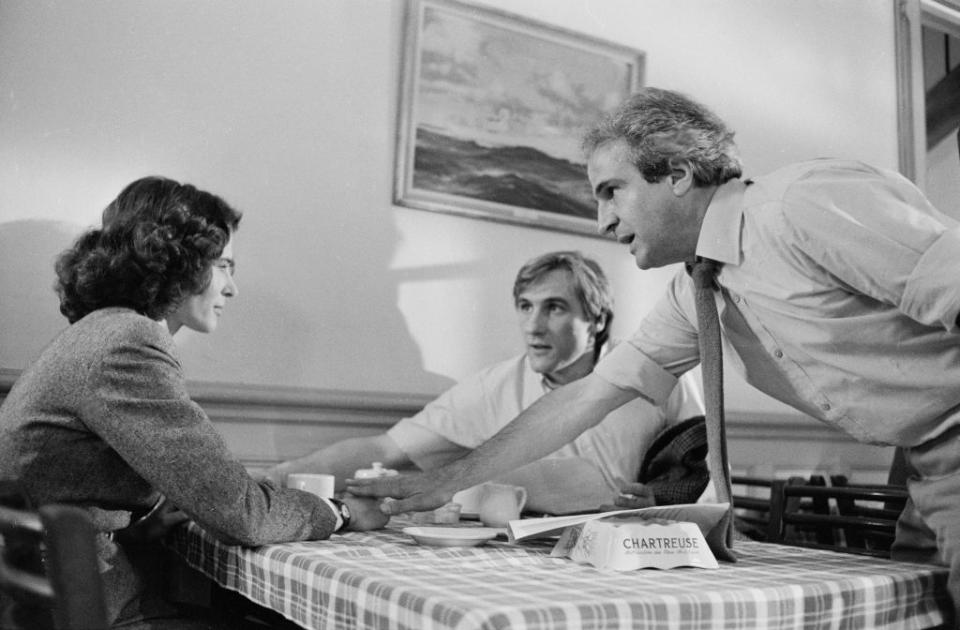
(757,506)
(48,560)
(861,519)
(853,518)
(25,581)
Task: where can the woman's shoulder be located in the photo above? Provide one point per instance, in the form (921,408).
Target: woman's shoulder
(119,326)
(83,348)
(117,318)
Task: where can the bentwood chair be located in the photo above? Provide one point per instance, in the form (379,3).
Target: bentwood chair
(760,503)
(858,519)
(48,566)
(757,506)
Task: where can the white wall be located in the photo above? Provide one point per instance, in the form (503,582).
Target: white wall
(288,109)
(943,176)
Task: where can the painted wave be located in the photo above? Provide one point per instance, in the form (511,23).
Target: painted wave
(514,175)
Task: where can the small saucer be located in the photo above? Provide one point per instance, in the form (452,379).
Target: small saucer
(452,536)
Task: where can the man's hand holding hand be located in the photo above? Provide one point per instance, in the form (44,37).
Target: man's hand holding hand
(403,493)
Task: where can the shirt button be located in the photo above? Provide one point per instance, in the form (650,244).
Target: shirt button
(736,299)
(825,406)
(778,353)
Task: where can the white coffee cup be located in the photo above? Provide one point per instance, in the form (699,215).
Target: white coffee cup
(321,485)
(469,501)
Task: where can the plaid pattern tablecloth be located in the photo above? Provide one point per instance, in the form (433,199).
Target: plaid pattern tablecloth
(384,579)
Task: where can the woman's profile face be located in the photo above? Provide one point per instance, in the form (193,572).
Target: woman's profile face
(201,312)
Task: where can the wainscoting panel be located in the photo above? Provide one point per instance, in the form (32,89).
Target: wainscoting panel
(265,425)
(785,446)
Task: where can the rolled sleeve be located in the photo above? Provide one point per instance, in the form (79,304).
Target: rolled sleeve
(627,367)
(932,293)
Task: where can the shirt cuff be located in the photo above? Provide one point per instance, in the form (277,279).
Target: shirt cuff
(336,513)
(627,367)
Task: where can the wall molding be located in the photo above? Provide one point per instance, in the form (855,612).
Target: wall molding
(265,424)
(296,405)
(254,403)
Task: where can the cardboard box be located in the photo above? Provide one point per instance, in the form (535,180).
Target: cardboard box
(627,543)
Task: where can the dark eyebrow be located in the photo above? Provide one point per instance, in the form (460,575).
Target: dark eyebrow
(555,301)
(547,300)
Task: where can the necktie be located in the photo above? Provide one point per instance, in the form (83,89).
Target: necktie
(703,273)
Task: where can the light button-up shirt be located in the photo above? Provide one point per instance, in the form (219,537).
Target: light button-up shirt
(839,295)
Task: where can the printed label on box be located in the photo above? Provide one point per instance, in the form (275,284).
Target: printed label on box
(626,544)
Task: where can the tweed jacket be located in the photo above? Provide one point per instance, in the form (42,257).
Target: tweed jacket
(103,420)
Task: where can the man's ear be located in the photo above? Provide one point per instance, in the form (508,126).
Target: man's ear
(600,324)
(681,177)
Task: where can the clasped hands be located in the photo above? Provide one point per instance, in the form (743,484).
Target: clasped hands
(419,492)
(155,524)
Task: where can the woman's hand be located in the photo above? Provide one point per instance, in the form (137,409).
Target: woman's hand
(365,513)
(155,525)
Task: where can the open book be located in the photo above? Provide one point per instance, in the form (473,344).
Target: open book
(705,515)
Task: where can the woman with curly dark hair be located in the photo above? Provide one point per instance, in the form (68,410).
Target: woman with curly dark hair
(103,420)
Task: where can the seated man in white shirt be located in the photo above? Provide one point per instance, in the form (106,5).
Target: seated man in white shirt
(564,308)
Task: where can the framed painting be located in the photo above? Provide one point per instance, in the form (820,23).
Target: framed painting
(492,110)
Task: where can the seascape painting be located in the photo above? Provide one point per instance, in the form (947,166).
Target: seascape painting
(492,111)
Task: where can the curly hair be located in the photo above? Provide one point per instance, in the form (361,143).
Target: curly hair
(156,246)
(660,126)
(590,285)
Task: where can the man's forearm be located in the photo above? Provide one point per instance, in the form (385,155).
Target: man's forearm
(554,420)
(343,458)
(561,485)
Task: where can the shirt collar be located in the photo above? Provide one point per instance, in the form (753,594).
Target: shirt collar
(546,385)
(720,230)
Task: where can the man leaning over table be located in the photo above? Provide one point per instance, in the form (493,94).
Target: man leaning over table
(839,295)
(564,308)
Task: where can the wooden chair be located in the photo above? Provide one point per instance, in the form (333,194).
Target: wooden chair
(813,532)
(757,506)
(857,519)
(48,565)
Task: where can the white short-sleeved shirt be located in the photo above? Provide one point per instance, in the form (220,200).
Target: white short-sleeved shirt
(475,409)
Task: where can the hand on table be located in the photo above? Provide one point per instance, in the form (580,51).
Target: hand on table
(403,493)
(365,513)
(632,496)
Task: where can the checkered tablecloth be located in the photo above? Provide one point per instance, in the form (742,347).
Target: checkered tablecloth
(384,579)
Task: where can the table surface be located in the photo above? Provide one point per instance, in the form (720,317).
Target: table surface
(383,579)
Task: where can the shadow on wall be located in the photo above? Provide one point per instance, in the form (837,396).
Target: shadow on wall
(29,307)
(317,304)
(272,337)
